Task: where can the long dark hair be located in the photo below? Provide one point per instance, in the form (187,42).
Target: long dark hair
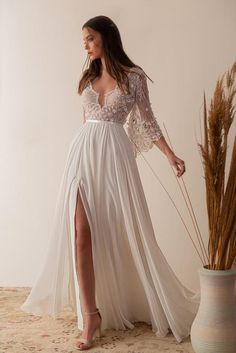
(117,61)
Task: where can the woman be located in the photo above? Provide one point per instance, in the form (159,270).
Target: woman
(102,232)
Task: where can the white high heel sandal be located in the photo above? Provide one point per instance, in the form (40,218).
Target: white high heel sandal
(97,334)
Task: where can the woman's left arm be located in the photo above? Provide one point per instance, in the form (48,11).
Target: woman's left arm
(175,161)
(151,125)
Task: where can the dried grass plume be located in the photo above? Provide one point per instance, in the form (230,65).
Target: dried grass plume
(220,195)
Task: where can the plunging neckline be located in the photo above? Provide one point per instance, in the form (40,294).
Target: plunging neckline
(104,94)
(99,93)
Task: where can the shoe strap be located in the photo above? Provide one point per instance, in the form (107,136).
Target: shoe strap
(84,340)
(94,312)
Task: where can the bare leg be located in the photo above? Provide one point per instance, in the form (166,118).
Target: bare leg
(85,271)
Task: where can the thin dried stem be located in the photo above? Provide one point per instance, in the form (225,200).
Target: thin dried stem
(176,208)
(190,208)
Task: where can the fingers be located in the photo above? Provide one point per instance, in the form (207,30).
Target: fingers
(180,168)
(178,164)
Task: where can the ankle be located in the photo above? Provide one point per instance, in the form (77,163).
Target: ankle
(91,311)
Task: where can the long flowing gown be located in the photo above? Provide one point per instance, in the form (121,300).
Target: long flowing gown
(133,280)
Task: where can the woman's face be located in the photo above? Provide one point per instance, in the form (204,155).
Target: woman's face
(92,43)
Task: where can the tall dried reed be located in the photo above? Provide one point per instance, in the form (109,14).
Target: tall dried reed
(220,195)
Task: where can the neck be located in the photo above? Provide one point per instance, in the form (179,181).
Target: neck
(103,68)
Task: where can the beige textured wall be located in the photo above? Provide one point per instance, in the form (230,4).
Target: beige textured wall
(182,45)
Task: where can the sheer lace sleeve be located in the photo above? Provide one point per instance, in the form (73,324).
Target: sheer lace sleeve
(142,126)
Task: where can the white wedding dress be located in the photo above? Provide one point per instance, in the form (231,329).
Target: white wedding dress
(133,280)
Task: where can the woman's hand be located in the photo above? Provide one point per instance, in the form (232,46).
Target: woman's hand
(177,163)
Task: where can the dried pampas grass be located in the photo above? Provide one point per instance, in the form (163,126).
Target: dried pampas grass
(220,196)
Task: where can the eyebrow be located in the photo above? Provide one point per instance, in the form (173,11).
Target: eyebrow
(87,36)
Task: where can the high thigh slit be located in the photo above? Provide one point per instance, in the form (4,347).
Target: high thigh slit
(133,280)
(75,222)
(82,209)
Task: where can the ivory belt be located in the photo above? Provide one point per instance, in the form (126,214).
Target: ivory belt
(103,120)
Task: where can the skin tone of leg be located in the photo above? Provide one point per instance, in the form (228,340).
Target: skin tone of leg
(85,270)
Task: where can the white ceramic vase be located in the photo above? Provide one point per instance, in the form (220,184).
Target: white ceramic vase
(214,327)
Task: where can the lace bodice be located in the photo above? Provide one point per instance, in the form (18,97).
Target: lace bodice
(132,110)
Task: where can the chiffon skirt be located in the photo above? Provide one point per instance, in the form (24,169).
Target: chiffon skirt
(133,280)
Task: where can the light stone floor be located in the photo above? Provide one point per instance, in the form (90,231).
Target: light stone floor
(21,332)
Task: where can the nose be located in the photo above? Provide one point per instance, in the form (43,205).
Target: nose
(86,46)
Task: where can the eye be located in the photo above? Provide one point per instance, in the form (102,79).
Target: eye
(89,39)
